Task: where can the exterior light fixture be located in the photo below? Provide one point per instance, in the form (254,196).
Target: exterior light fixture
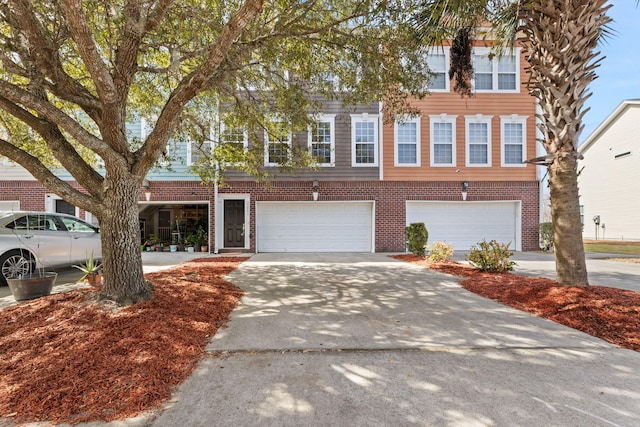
(147,189)
(314,190)
(465,186)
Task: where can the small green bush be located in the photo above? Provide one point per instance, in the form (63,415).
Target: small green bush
(440,252)
(417,235)
(546,236)
(491,256)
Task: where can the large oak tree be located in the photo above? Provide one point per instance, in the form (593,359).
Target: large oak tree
(74,73)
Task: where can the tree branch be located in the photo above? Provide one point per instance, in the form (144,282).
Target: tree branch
(46,177)
(194,83)
(44,56)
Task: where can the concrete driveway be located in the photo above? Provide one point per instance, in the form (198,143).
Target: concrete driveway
(362,340)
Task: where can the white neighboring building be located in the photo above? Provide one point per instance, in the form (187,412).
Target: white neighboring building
(609,182)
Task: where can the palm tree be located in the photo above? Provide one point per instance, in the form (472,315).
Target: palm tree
(559,38)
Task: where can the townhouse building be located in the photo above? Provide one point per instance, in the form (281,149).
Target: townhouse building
(458,167)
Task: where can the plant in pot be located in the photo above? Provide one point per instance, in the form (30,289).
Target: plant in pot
(191,241)
(154,241)
(92,270)
(201,239)
(28,284)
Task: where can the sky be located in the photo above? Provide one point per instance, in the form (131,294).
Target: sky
(619,73)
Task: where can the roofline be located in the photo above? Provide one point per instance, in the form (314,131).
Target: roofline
(610,119)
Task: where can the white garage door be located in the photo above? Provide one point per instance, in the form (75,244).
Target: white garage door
(464,224)
(314,226)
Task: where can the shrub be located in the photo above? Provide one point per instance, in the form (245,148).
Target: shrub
(546,236)
(417,235)
(440,252)
(491,256)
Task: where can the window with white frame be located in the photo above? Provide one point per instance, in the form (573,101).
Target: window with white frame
(198,152)
(443,140)
(407,141)
(234,136)
(277,144)
(322,139)
(478,140)
(513,130)
(364,139)
(496,73)
(438,62)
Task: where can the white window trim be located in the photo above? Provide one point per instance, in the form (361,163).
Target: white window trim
(418,142)
(447,60)
(190,149)
(484,51)
(245,136)
(514,118)
(364,117)
(478,118)
(442,118)
(331,118)
(267,142)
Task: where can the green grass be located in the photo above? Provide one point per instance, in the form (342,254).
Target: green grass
(626,248)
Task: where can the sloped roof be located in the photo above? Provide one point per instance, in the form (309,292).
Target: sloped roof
(619,111)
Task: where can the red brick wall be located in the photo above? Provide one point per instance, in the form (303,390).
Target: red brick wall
(390,202)
(389,197)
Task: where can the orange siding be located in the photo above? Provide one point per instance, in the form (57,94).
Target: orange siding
(450,103)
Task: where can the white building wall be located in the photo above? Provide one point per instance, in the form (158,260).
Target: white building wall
(10,171)
(609,183)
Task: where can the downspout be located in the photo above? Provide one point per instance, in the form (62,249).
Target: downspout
(380,143)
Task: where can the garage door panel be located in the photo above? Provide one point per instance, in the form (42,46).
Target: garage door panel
(314,226)
(464,224)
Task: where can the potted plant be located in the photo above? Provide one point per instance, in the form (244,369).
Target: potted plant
(154,241)
(191,241)
(91,269)
(33,285)
(200,238)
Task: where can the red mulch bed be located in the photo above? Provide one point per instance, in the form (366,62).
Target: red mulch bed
(607,313)
(64,358)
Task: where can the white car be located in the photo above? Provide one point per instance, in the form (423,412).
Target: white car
(34,240)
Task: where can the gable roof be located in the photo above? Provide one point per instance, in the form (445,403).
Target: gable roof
(619,111)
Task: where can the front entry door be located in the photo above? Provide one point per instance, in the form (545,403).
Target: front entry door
(234,223)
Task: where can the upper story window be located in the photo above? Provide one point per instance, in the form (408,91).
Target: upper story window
(364,139)
(443,140)
(513,130)
(496,74)
(478,140)
(438,62)
(198,151)
(277,142)
(234,136)
(322,140)
(407,142)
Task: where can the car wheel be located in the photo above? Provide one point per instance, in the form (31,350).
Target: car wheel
(13,264)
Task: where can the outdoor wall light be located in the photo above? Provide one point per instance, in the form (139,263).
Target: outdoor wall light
(465,186)
(314,190)
(147,189)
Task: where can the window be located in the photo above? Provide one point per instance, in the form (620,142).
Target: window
(496,73)
(407,142)
(478,139)
(364,138)
(198,152)
(513,140)
(277,141)
(438,63)
(443,140)
(322,140)
(234,136)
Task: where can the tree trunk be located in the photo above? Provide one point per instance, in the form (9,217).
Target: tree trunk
(123,280)
(571,268)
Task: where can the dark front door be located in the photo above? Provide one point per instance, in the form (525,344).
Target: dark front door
(234,223)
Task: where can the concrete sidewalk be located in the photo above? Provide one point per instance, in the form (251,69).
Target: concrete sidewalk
(364,340)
